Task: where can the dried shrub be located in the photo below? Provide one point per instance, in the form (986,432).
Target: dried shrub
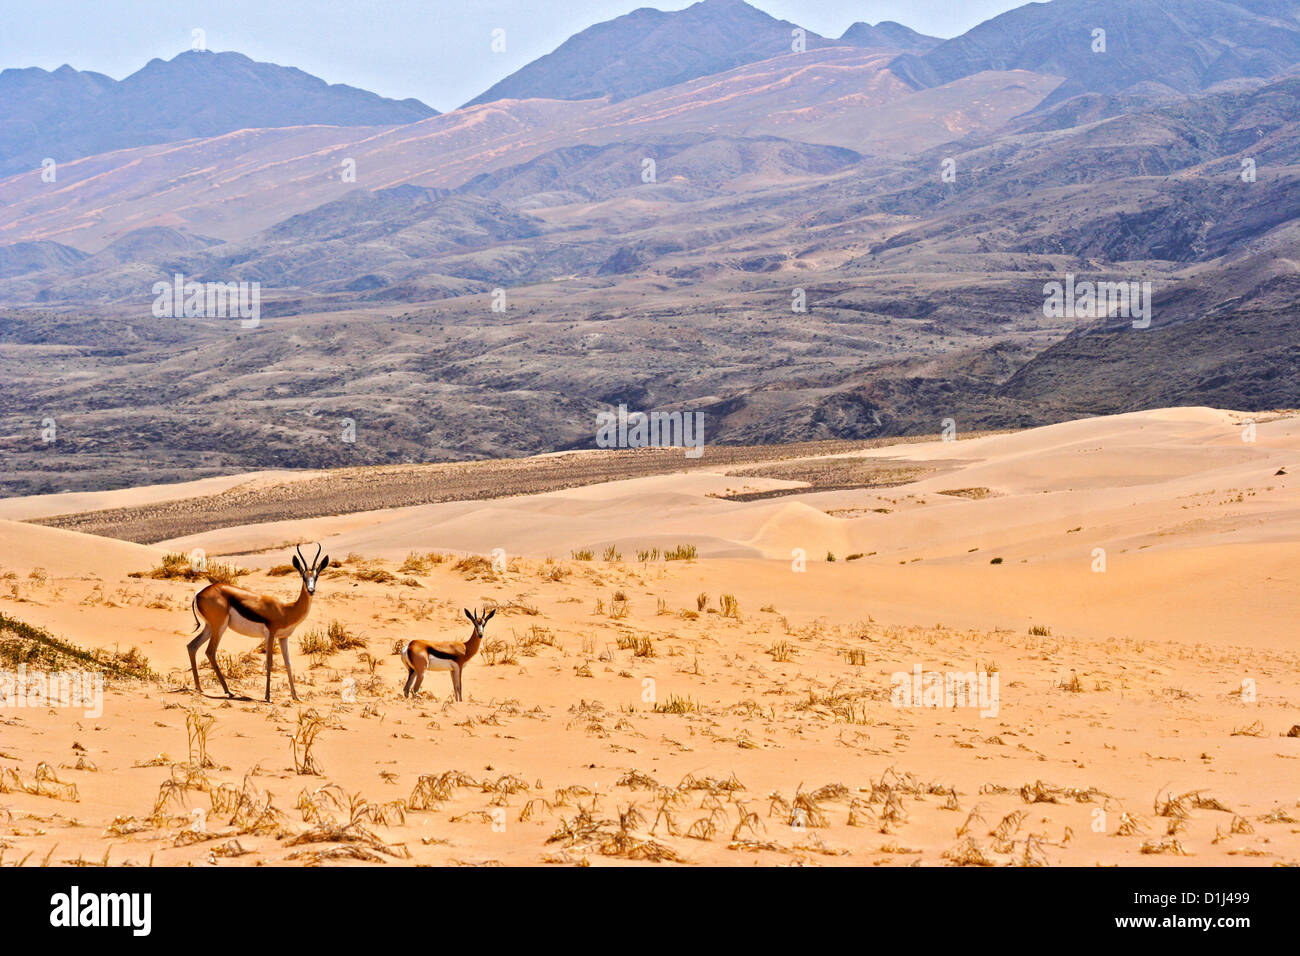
(639,645)
(730,606)
(310,725)
(432,789)
(179,567)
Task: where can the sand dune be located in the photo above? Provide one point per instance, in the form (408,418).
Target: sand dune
(44,506)
(1179,512)
(1132,481)
(1126,691)
(25,547)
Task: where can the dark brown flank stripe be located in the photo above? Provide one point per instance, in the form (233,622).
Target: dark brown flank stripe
(245,611)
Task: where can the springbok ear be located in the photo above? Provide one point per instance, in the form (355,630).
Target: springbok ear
(324,564)
(469,615)
(489,615)
(297,564)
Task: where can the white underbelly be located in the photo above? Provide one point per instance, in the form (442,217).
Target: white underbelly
(242,625)
(440,664)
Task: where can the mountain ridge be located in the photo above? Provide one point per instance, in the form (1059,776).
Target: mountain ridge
(1183,45)
(500,274)
(650,49)
(66,114)
(888,35)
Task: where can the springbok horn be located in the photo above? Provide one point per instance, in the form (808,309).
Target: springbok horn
(317,558)
(298,548)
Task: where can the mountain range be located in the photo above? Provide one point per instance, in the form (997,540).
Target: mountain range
(67,114)
(674,210)
(650,50)
(1103,46)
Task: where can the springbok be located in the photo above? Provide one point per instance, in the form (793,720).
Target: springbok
(421,656)
(254,615)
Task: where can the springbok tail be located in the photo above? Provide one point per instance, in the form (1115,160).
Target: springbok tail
(193,605)
(406,657)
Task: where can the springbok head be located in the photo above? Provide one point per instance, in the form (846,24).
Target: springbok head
(310,572)
(479,621)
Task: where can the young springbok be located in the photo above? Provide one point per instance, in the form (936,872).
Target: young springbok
(421,656)
(254,615)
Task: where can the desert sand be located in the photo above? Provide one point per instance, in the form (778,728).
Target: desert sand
(1130,582)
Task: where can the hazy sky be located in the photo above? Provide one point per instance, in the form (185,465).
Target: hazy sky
(435,50)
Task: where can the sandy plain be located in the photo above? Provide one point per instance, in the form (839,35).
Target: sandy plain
(1129,584)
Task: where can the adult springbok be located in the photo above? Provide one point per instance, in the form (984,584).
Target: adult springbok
(422,656)
(245,612)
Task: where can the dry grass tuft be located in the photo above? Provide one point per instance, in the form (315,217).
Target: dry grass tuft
(782,652)
(1130,825)
(354,834)
(619,607)
(636,780)
(310,725)
(375,574)
(252,811)
(677,705)
(336,636)
(639,645)
(417,563)
(474,565)
(1163,846)
(44,783)
(969,853)
(715,786)
(178,567)
(1040,792)
(197,727)
(432,789)
(587,832)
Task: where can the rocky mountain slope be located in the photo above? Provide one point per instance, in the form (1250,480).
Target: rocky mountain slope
(801,247)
